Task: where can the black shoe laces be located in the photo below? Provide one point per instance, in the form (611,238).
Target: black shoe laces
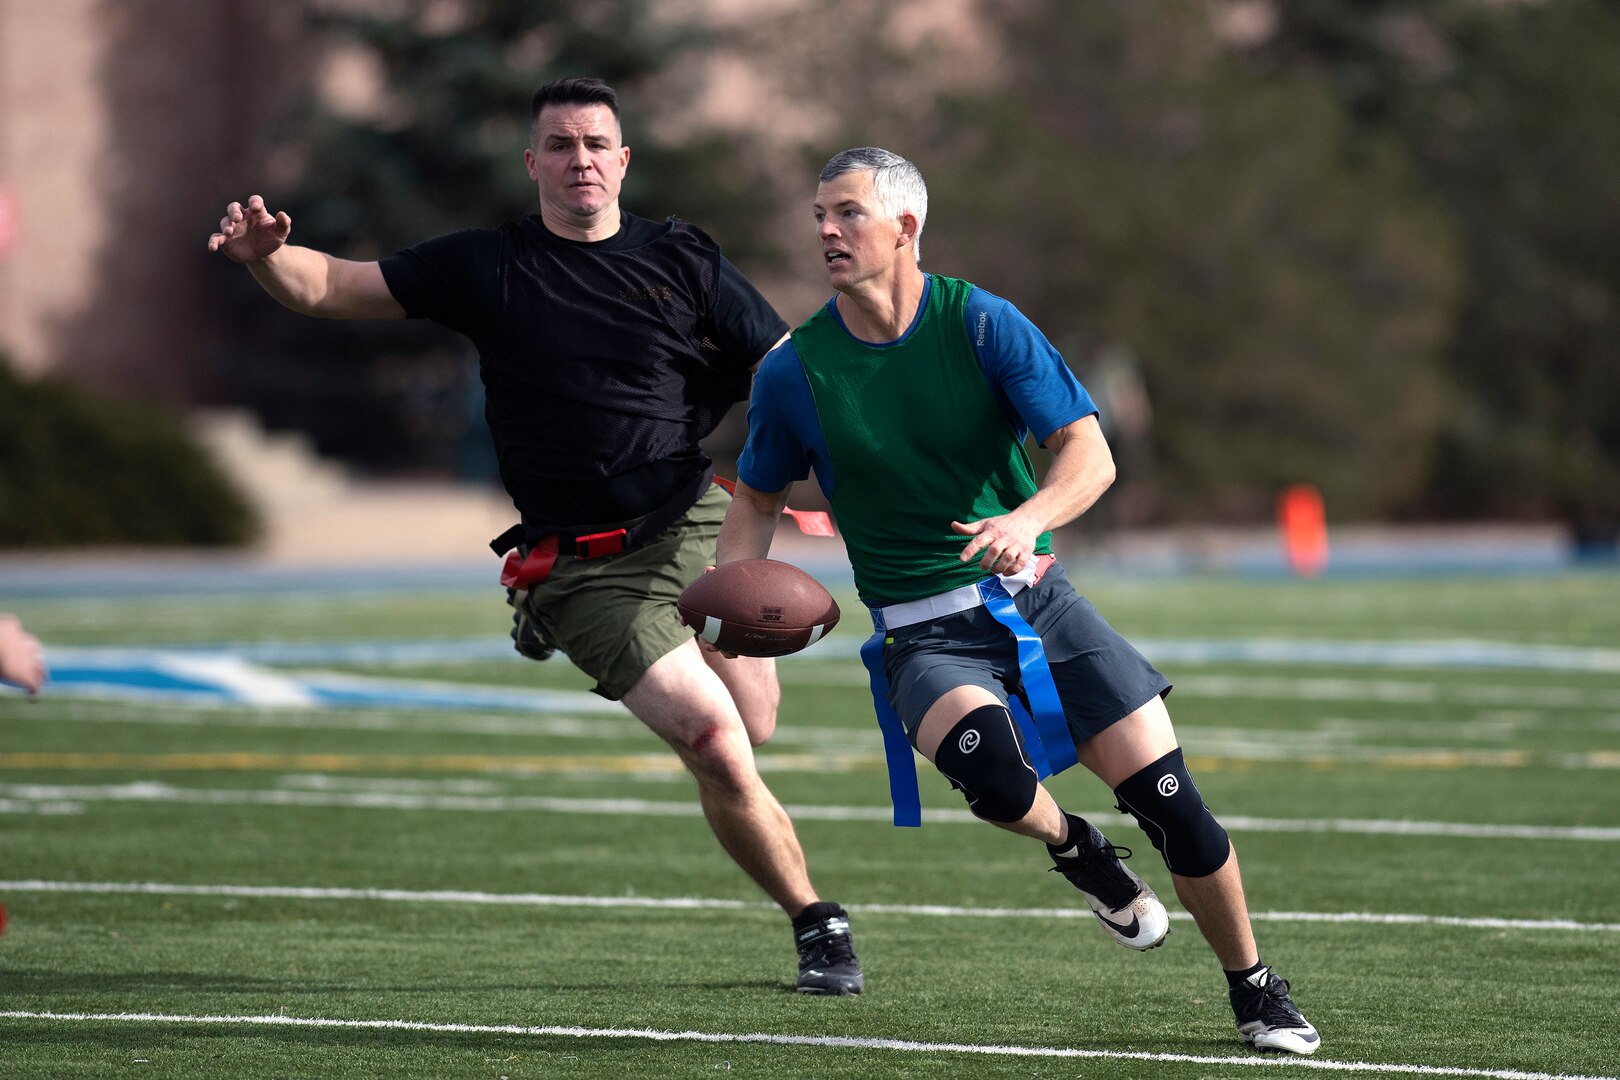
(1270,1003)
(1097,870)
(830,949)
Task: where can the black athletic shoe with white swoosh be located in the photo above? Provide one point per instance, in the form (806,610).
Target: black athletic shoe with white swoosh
(1128,910)
(1267,1017)
(827,961)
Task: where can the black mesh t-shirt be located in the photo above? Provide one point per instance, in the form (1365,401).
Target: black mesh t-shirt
(603,363)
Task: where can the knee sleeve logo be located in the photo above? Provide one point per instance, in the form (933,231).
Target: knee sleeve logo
(1169,785)
(969,741)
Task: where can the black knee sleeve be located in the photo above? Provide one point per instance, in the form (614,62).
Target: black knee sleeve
(983,759)
(1165,802)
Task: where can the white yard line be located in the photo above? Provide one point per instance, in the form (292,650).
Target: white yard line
(698,903)
(56,796)
(839,1042)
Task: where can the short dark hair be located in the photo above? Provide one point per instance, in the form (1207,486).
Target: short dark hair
(571,91)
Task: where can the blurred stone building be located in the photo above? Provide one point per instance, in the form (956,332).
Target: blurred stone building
(123,125)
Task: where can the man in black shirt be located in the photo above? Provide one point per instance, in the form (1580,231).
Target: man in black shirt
(609,345)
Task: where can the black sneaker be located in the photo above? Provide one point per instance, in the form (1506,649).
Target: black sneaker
(1129,911)
(1267,1017)
(827,963)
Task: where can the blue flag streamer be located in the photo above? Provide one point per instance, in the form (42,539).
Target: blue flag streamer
(1051,725)
(896,747)
(1047,741)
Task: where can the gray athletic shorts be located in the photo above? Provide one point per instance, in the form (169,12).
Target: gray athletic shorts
(1100,676)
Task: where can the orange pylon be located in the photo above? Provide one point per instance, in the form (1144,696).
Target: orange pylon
(1303,522)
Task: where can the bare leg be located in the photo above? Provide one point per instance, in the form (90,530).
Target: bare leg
(753,687)
(1216,902)
(1218,906)
(686,703)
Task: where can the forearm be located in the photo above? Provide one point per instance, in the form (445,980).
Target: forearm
(1072,486)
(1082,469)
(297,277)
(750,525)
(314,283)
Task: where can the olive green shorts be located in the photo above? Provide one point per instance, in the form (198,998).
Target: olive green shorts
(615,616)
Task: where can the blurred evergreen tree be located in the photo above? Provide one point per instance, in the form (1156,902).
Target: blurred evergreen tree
(1138,182)
(431,140)
(1511,115)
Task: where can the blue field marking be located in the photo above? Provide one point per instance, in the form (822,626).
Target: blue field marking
(337,691)
(371,653)
(1256,651)
(247,673)
(225,677)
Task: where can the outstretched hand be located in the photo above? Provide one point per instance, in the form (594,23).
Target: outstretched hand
(21,661)
(1002,544)
(249,233)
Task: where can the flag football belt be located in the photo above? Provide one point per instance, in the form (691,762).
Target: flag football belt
(1038,711)
(912,612)
(524,568)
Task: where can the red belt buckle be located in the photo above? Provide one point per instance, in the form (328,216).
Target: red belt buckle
(520,572)
(595,545)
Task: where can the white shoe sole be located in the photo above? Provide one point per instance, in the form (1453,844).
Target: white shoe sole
(1286,1041)
(1140,925)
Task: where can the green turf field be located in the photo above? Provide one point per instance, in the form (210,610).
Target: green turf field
(1427,809)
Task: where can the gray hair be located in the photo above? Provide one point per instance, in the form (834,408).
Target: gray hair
(897,184)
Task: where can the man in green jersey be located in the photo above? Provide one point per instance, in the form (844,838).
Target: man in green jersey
(909,395)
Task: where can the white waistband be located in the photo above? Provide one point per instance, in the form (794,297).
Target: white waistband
(962,598)
(931,607)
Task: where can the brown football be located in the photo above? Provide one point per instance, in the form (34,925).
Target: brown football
(758,607)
